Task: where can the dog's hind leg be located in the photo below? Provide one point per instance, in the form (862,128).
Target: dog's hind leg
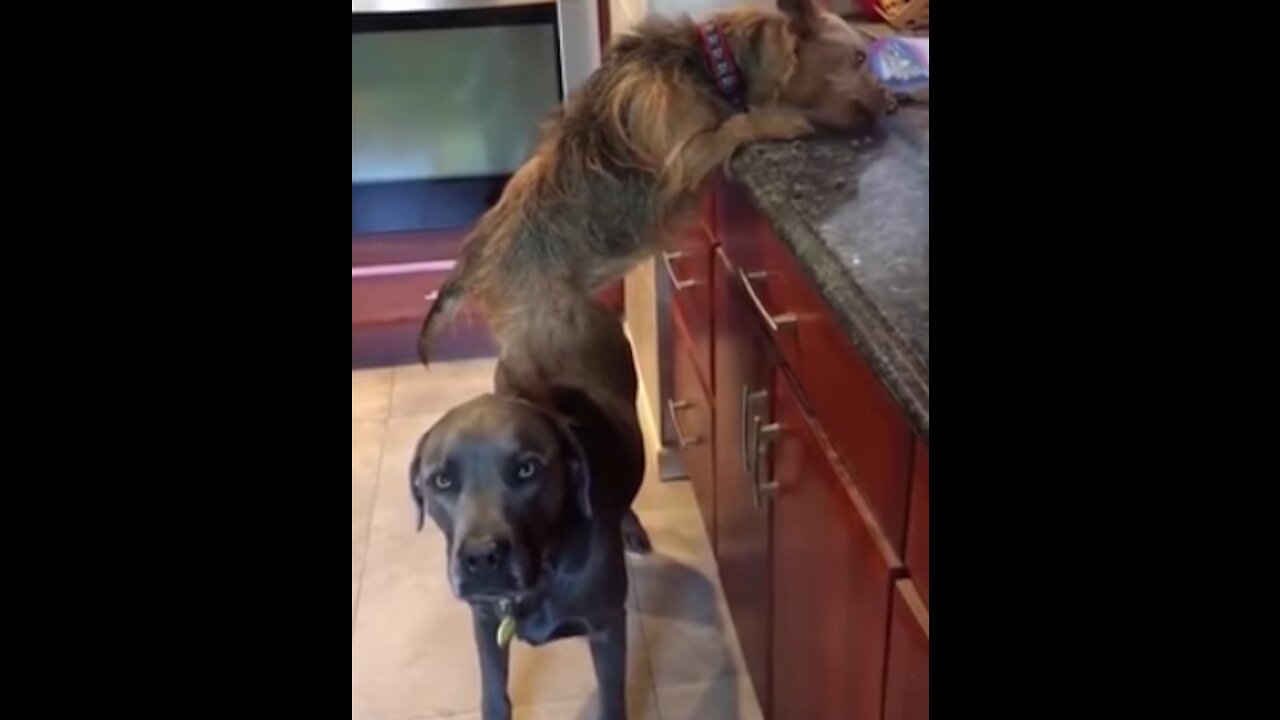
(634,537)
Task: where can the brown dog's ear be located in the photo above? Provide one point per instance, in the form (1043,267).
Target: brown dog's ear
(803,14)
(580,423)
(419,500)
(579,467)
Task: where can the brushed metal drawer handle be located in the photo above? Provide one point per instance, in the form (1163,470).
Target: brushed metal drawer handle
(674,407)
(774,322)
(750,398)
(677,283)
(765,436)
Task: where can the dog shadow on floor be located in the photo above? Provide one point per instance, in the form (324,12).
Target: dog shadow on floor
(669,590)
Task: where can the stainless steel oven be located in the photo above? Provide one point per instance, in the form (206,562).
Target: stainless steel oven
(446,99)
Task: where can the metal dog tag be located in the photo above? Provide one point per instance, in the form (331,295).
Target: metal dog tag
(506,631)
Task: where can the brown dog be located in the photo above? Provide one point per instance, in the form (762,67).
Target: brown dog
(622,161)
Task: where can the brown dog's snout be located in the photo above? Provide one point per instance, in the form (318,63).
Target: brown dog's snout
(484,555)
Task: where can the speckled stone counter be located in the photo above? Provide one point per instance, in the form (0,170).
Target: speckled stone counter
(856,215)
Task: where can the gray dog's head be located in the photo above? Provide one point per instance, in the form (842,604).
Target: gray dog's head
(498,475)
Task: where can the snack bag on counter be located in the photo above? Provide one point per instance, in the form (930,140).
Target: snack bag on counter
(901,63)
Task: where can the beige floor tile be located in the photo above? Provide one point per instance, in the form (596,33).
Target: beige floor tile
(563,669)
(392,533)
(671,515)
(687,630)
(721,700)
(663,495)
(366,454)
(436,389)
(685,618)
(412,654)
(371,394)
(641,705)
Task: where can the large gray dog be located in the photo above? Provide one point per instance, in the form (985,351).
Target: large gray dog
(532,488)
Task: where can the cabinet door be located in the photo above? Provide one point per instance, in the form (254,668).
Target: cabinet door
(907,688)
(918,525)
(744,366)
(689,412)
(865,424)
(686,263)
(831,579)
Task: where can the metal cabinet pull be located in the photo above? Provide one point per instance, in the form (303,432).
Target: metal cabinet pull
(766,435)
(774,322)
(677,283)
(674,407)
(749,401)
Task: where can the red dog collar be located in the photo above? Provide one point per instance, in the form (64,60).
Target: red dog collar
(724,71)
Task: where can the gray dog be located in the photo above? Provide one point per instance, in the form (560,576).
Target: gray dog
(533,493)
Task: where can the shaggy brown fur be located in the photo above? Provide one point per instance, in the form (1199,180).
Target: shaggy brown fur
(622,161)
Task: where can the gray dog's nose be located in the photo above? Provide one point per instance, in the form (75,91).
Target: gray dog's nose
(483,555)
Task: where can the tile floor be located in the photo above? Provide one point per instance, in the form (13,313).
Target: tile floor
(412,656)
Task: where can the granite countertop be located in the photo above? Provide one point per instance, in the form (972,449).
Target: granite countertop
(856,215)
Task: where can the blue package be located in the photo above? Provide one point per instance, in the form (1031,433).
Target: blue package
(902,64)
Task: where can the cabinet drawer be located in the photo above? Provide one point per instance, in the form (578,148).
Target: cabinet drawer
(907,674)
(393,293)
(863,422)
(690,414)
(918,525)
(686,265)
(738,224)
(745,364)
(832,579)
(387,344)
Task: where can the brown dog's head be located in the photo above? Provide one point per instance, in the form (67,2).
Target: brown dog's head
(497,475)
(811,60)
(832,82)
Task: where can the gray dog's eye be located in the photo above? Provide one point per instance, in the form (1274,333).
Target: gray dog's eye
(859,59)
(441,482)
(528,469)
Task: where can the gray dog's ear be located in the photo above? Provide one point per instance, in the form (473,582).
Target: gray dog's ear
(579,468)
(585,424)
(420,502)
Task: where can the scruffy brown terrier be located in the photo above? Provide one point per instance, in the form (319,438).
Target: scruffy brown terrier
(622,161)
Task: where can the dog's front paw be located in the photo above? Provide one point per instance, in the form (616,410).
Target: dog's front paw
(774,123)
(782,125)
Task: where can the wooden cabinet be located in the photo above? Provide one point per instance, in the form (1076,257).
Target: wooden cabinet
(813,486)
(744,368)
(394,279)
(918,525)
(690,413)
(687,266)
(831,581)
(864,424)
(907,685)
